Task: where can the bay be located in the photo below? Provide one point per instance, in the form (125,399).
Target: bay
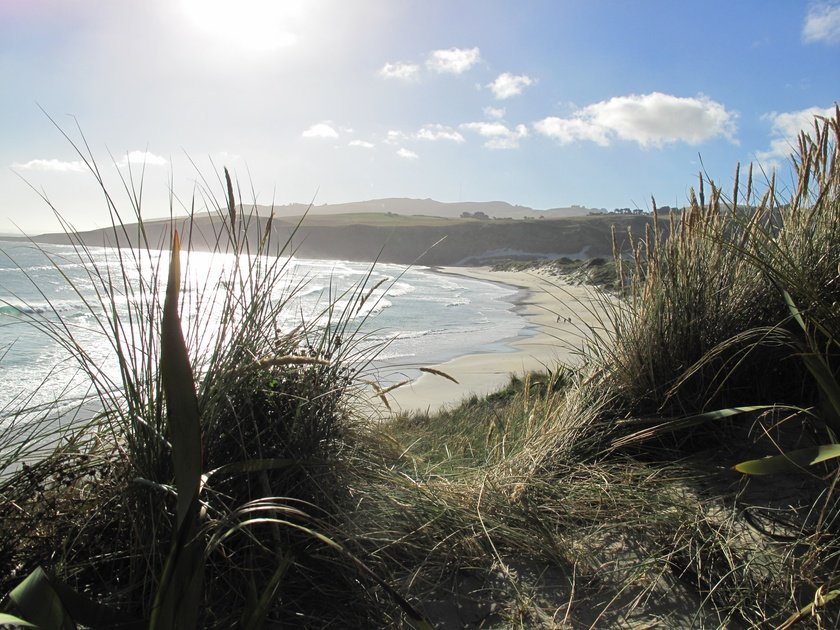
(413,317)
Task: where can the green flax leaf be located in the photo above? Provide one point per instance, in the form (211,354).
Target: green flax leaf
(829,388)
(789,462)
(37,601)
(178,598)
(44,601)
(10,620)
(179,389)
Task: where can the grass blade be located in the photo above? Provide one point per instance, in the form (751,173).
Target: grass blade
(819,601)
(440,373)
(677,424)
(256,617)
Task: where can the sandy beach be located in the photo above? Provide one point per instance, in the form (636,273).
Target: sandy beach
(557,318)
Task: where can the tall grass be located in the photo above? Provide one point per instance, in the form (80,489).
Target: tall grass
(619,483)
(708,364)
(702,280)
(97,502)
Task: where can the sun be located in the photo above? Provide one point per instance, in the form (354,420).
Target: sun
(257,25)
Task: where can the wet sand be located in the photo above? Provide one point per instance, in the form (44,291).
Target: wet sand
(557,315)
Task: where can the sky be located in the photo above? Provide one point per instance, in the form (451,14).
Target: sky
(538,103)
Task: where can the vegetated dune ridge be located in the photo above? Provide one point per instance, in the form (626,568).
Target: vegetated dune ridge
(393,238)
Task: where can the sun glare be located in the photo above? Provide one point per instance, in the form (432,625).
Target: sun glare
(257,25)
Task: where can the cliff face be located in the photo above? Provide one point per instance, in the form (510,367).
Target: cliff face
(445,243)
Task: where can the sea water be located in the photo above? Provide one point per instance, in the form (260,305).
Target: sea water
(414,317)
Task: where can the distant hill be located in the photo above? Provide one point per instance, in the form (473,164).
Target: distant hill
(428,207)
(397,238)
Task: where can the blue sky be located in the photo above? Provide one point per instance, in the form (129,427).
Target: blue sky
(538,103)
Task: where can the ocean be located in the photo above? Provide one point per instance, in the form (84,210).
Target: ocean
(417,317)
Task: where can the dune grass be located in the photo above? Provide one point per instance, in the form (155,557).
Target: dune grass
(618,487)
(103,503)
(603,496)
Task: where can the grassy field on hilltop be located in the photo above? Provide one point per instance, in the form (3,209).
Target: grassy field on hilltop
(419,220)
(379,219)
(685,476)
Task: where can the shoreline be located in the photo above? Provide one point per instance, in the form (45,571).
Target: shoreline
(556,316)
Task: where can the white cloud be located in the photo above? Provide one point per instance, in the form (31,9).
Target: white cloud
(439,132)
(78,166)
(822,24)
(360,143)
(407,154)
(499,135)
(568,130)
(432,132)
(320,130)
(394,136)
(785,128)
(507,85)
(653,119)
(494,112)
(399,70)
(142,158)
(61,166)
(453,60)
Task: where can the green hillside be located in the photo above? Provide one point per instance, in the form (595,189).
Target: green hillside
(399,238)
